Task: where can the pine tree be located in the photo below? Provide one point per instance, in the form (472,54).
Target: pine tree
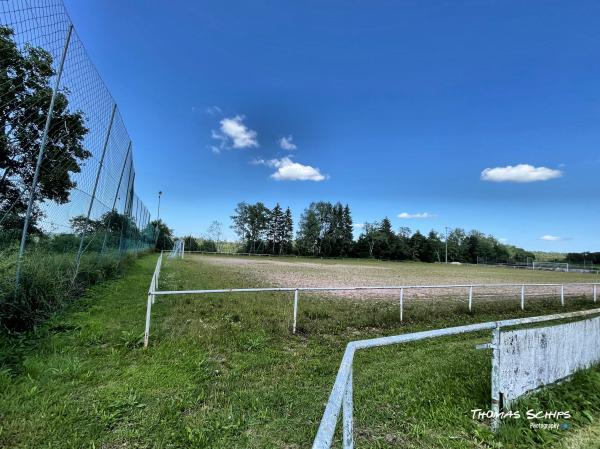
(287,232)
(347,231)
(275,227)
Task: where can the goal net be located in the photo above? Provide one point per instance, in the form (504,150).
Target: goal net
(177,251)
(551,266)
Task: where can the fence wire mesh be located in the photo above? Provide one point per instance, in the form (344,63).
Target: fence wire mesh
(67,177)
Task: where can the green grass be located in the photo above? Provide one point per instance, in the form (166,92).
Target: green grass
(223,371)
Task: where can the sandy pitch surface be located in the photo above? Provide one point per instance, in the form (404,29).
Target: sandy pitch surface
(328,273)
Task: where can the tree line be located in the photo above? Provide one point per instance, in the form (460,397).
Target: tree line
(326,229)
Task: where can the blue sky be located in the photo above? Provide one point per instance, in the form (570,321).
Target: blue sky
(395,107)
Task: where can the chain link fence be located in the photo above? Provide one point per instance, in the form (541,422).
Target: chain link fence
(69,214)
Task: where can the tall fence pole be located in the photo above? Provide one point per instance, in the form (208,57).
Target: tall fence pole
(523,297)
(40,157)
(116,196)
(126,212)
(87,218)
(595,292)
(562,295)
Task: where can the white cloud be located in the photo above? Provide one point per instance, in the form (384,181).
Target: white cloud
(406,215)
(359,225)
(551,238)
(285,143)
(288,170)
(519,173)
(213,110)
(234,133)
(503,240)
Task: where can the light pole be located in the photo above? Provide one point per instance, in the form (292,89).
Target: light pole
(158,211)
(158,220)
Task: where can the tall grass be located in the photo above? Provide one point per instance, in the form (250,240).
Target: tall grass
(47,282)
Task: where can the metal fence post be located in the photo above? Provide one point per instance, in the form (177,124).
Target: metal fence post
(295,310)
(470,298)
(523,297)
(116,196)
(595,292)
(347,413)
(148,313)
(562,295)
(40,158)
(401,304)
(80,250)
(496,335)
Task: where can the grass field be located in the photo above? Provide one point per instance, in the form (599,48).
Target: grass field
(223,371)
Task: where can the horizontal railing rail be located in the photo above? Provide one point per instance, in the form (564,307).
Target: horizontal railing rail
(154,292)
(341,396)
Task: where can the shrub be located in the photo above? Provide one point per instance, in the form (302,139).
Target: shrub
(47,283)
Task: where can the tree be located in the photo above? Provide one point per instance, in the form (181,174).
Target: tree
(250,222)
(385,240)
(307,240)
(432,247)
(417,245)
(191,243)
(215,233)
(83,225)
(26,92)
(287,232)
(275,229)
(370,235)
(347,232)
(164,237)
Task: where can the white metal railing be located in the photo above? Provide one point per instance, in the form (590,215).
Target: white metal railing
(153,292)
(341,397)
(153,287)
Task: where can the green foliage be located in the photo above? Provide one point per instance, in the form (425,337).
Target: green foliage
(47,281)
(325,229)
(25,89)
(263,230)
(164,234)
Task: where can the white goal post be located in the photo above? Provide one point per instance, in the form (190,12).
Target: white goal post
(551,266)
(178,249)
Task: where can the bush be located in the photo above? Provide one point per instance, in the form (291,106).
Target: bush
(47,284)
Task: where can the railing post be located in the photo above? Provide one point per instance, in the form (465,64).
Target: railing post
(595,292)
(470,298)
(523,297)
(401,304)
(295,310)
(40,158)
(148,313)
(347,415)
(496,335)
(89,212)
(562,295)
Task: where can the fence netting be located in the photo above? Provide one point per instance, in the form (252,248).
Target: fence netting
(67,177)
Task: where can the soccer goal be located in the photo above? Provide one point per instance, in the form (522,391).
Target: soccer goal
(178,250)
(551,266)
